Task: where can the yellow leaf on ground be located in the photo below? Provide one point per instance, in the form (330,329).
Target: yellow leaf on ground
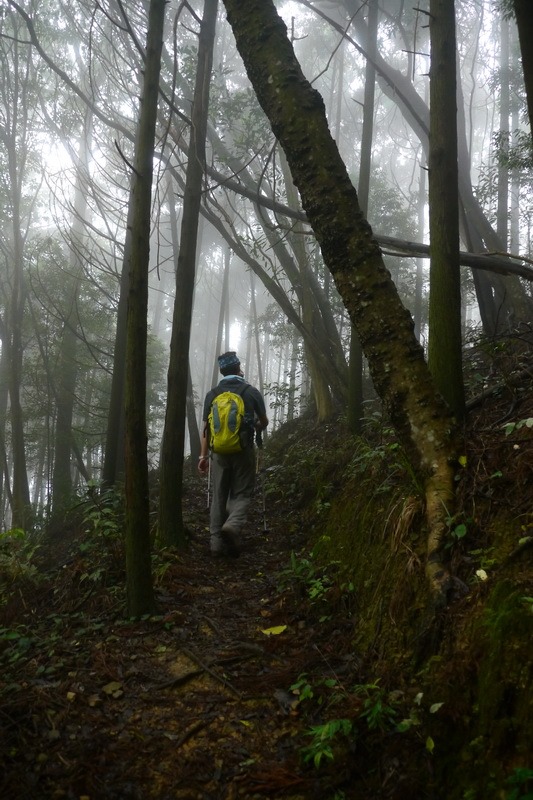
(275,631)
(112,688)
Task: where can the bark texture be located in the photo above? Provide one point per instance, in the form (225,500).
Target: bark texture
(400,374)
(445,346)
(524,20)
(140,598)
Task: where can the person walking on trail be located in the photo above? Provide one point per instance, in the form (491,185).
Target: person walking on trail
(233,411)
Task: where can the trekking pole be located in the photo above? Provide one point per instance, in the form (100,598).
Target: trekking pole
(261,477)
(208,480)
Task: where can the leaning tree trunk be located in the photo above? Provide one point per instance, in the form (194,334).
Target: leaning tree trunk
(396,361)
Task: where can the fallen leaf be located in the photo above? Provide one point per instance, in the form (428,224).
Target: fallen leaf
(275,631)
(113,689)
(94,700)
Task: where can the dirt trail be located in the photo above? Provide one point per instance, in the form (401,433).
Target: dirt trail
(195,703)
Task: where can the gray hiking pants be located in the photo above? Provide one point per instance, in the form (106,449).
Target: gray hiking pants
(232,479)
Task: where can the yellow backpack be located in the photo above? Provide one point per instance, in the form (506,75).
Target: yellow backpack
(227,434)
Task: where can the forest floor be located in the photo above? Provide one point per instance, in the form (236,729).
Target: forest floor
(216,697)
(195,702)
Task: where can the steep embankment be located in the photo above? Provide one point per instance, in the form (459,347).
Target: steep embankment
(456,687)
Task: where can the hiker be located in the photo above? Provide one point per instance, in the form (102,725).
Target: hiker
(233,453)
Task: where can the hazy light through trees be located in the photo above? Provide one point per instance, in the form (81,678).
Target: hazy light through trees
(90,56)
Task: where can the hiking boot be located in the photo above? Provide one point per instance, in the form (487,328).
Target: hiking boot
(229,537)
(217,546)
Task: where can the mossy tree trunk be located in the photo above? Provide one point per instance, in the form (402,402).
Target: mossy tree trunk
(396,361)
(140,596)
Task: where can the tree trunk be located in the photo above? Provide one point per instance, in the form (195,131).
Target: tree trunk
(221,318)
(502,209)
(309,311)
(140,596)
(505,292)
(445,346)
(296,113)
(20,491)
(355,400)
(291,404)
(421,210)
(255,329)
(113,468)
(524,21)
(192,424)
(67,373)
(171,528)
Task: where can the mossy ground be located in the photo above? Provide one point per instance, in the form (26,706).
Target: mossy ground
(463,676)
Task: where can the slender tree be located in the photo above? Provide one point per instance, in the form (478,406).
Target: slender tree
(140,598)
(524,21)
(501,299)
(445,347)
(18,84)
(67,374)
(355,403)
(171,527)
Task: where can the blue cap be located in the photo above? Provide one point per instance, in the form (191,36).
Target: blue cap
(229,359)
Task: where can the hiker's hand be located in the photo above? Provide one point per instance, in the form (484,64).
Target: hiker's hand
(203,465)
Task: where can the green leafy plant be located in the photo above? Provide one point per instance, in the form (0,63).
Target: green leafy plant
(483,555)
(520,784)
(325,692)
(511,427)
(17,557)
(17,641)
(324,738)
(103,514)
(377,708)
(528,603)
(302,688)
(457,528)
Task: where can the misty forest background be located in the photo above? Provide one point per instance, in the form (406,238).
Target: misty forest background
(226,227)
